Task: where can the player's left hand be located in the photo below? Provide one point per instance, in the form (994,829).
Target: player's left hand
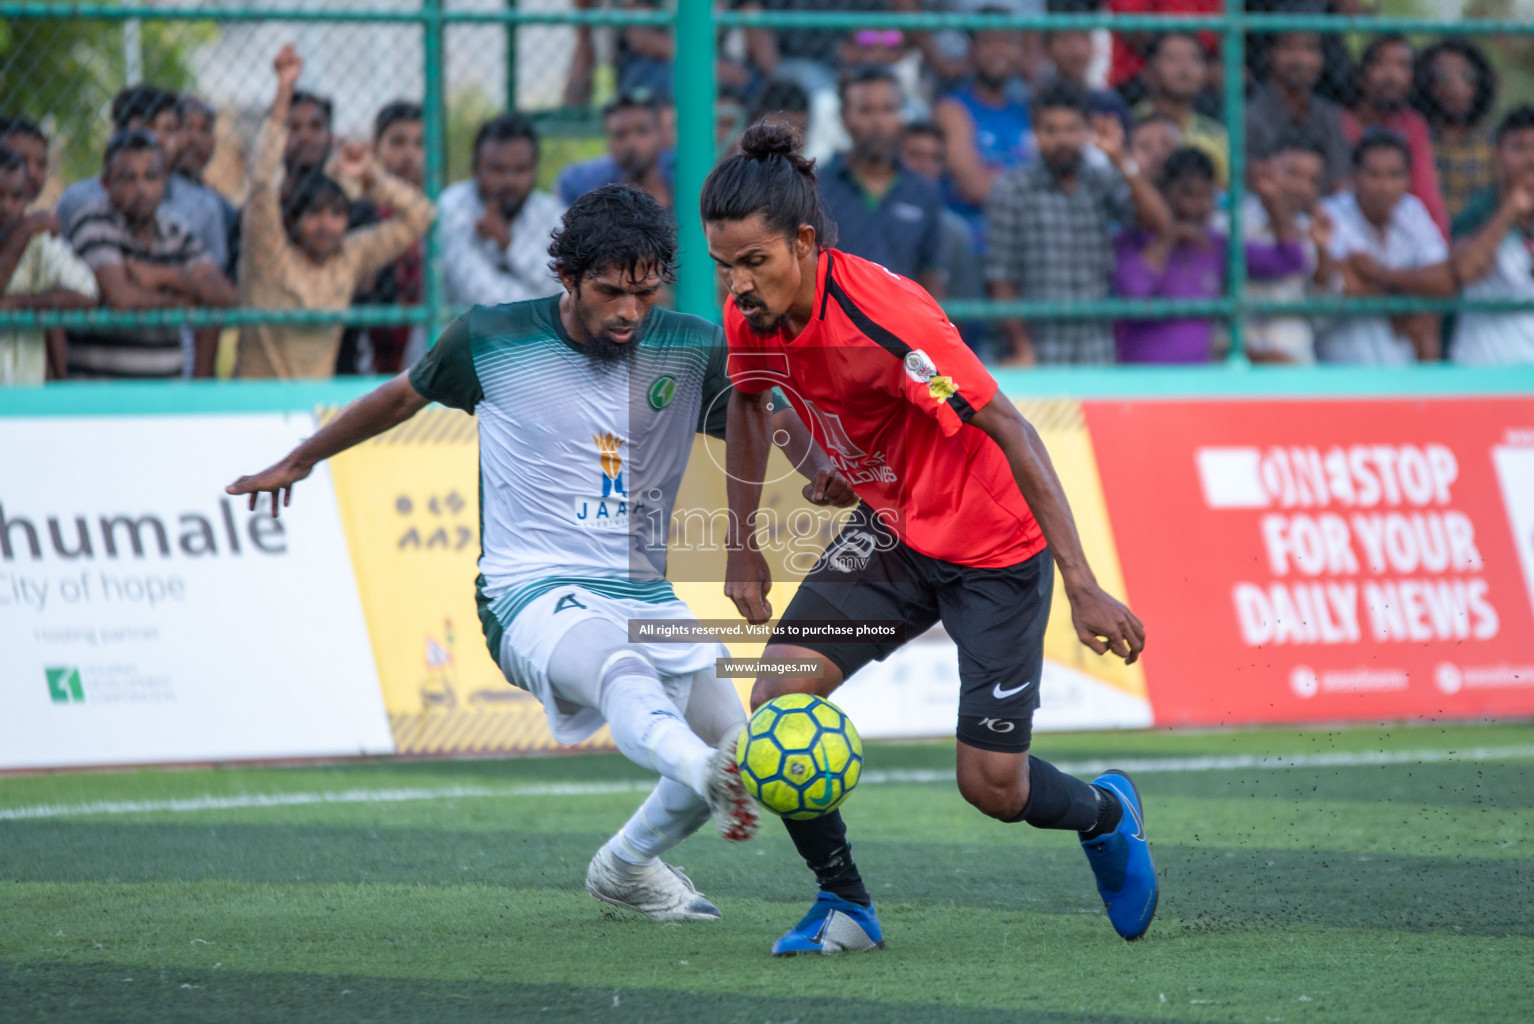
(830,488)
(278,480)
(1105,624)
(747,579)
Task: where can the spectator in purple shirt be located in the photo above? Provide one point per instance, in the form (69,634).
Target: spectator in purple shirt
(1188,261)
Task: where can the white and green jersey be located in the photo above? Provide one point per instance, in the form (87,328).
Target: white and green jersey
(579,461)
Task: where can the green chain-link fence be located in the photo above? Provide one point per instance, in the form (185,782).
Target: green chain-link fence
(558,60)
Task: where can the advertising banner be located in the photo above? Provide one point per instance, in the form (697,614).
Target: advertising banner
(915,693)
(410,502)
(147,617)
(1294,560)
(1309,560)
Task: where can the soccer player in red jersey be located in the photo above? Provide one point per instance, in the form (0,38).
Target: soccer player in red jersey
(962,520)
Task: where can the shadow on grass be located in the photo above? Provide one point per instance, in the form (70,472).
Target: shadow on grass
(99,992)
(1206,886)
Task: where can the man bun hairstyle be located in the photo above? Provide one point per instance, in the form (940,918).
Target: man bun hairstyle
(769,176)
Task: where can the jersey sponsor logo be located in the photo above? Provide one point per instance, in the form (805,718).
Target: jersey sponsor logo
(1001,694)
(661,391)
(608,444)
(919,366)
(872,470)
(942,388)
(833,435)
(567,602)
(856,465)
(612,508)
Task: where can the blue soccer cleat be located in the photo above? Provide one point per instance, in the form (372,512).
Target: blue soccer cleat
(833,925)
(1121,860)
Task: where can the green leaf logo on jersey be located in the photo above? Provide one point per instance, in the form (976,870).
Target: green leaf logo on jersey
(662,391)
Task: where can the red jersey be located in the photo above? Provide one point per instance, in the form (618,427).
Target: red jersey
(887,388)
(1126,63)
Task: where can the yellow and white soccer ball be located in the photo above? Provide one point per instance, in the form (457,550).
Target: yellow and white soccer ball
(799,756)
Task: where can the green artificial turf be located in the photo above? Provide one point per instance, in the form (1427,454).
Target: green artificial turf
(1394,892)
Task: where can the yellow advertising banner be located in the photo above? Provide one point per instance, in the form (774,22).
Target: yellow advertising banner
(409,503)
(1063,430)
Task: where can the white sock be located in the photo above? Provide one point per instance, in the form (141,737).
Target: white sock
(647,727)
(671,813)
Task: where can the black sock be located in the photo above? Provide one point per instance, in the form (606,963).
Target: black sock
(822,842)
(1108,820)
(1059,801)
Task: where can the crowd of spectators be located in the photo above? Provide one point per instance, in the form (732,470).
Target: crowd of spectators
(1062,167)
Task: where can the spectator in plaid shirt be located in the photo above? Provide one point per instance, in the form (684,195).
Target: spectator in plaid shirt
(1454,88)
(1049,226)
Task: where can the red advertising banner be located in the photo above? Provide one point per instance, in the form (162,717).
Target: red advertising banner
(1304,560)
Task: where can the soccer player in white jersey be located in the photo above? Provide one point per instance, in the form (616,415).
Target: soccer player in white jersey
(587,405)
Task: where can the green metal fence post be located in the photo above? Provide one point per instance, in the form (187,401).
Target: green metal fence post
(511,59)
(1233,54)
(694,150)
(433,107)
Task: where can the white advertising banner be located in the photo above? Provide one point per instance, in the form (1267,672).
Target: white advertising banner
(147,617)
(914,694)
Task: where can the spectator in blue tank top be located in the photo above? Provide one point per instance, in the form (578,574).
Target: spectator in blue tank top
(986,131)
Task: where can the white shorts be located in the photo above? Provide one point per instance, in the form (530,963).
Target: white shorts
(531,639)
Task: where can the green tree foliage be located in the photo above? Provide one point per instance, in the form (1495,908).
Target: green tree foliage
(64,72)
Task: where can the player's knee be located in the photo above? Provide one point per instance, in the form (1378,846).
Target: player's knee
(997,793)
(995,800)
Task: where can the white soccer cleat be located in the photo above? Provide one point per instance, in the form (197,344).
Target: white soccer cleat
(733,811)
(657,890)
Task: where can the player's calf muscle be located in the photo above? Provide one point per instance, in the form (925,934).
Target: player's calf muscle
(994,783)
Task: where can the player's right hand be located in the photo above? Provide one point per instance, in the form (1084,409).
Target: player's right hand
(278,479)
(1104,623)
(830,488)
(746,582)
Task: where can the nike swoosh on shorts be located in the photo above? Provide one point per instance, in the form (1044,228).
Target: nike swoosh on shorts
(1001,694)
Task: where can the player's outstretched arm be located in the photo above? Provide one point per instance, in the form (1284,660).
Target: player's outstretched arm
(748,441)
(1102,622)
(375,412)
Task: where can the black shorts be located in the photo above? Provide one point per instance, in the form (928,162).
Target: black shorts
(996,617)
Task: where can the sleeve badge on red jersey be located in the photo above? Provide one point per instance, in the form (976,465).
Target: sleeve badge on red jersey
(942,388)
(919,366)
